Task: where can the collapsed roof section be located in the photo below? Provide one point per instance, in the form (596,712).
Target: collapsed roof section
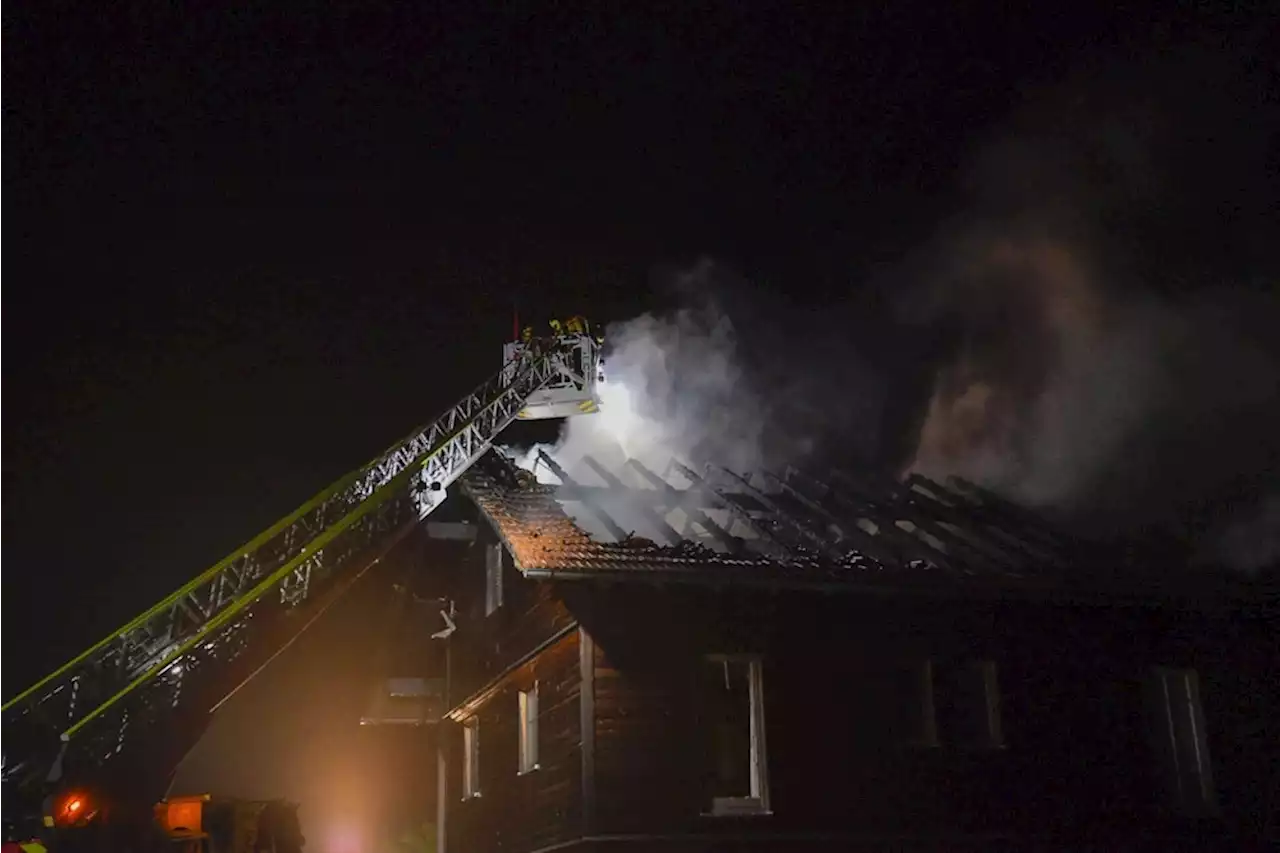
(794,528)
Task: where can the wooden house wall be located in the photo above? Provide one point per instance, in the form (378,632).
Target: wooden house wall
(533,625)
(1076,758)
(1076,761)
(485,645)
(540,808)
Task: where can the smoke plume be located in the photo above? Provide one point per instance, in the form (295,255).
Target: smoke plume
(1108,289)
(1116,362)
(731,376)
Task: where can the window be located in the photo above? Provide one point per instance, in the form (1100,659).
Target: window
(493,578)
(733,696)
(966,699)
(529,730)
(930,703)
(471,758)
(903,710)
(1182,750)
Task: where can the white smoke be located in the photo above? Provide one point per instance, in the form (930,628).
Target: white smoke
(714,382)
(1094,376)
(1036,407)
(1102,372)
(674,388)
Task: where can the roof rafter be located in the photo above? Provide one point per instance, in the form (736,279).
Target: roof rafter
(681,501)
(665,530)
(823,545)
(615,529)
(767,543)
(854,528)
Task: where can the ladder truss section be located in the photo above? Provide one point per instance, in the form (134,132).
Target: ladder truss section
(280,569)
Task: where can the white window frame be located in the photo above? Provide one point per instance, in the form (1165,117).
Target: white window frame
(758,802)
(495,557)
(919,671)
(931,737)
(528,700)
(1182,742)
(470,758)
(991,691)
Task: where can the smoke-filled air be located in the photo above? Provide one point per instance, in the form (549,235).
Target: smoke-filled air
(1096,348)
(706,384)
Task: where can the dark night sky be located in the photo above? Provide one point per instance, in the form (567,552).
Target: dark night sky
(247,249)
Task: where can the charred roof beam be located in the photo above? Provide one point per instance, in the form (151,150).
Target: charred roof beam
(822,544)
(767,542)
(875,507)
(1023,554)
(656,521)
(1042,545)
(975,548)
(834,526)
(658,500)
(855,514)
(615,529)
(1005,509)
(851,534)
(679,500)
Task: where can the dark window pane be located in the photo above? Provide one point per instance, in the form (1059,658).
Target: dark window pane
(897,703)
(727,700)
(961,701)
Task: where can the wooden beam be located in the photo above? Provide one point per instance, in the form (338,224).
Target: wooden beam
(767,543)
(697,515)
(661,499)
(822,544)
(884,514)
(850,534)
(981,536)
(615,529)
(658,522)
(587,723)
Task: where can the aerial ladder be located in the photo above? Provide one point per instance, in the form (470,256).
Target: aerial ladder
(127,709)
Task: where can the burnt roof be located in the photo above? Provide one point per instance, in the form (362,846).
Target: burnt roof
(793,528)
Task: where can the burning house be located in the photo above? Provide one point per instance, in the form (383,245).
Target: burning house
(690,659)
